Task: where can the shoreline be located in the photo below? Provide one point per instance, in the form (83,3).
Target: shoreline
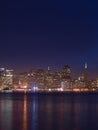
(47,92)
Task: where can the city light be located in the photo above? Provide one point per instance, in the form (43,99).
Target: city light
(39,80)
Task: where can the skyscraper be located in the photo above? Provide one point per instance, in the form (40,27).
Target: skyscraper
(86,75)
(66,77)
(66,72)
(6,78)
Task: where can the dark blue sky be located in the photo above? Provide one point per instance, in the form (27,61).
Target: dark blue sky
(41,33)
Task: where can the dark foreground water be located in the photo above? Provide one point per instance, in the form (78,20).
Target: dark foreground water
(49,112)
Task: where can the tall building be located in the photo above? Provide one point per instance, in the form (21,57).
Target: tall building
(66,72)
(2,72)
(57,79)
(66,77)
(2,75)
(9,77)
(48,82)
(6,78)
(40,78)
(86,75)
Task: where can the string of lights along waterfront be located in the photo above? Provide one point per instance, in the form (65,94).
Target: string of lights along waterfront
(40,80)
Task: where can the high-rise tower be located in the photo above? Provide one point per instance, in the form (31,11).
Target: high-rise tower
(85,65)
(86,75)
(66,72)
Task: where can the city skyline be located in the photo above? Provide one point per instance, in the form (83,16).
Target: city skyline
(55,69)
(39,80)
(49,33)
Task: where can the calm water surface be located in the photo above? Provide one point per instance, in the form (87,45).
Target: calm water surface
(49,112)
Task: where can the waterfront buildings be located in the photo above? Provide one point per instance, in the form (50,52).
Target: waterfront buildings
(40,79)
(6,78)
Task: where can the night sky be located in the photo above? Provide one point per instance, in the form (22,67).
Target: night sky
(49,33)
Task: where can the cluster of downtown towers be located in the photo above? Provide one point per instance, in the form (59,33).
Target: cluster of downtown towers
(44,79)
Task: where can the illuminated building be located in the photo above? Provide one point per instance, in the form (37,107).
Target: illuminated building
(97,82)
(32,77)
(65,84)
(6,78)
(40,78)
(66,77)
(86,75)
(23,80)
(57,79)
(2,75)
(2,72)
(16,81)
(94,83)
(9,77)
(36,78)
(48,79)
(78,83)
(66,72)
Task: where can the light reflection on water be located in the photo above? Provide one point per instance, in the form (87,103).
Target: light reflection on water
(6,114)
(24,113)
(35,113)
(48,112)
